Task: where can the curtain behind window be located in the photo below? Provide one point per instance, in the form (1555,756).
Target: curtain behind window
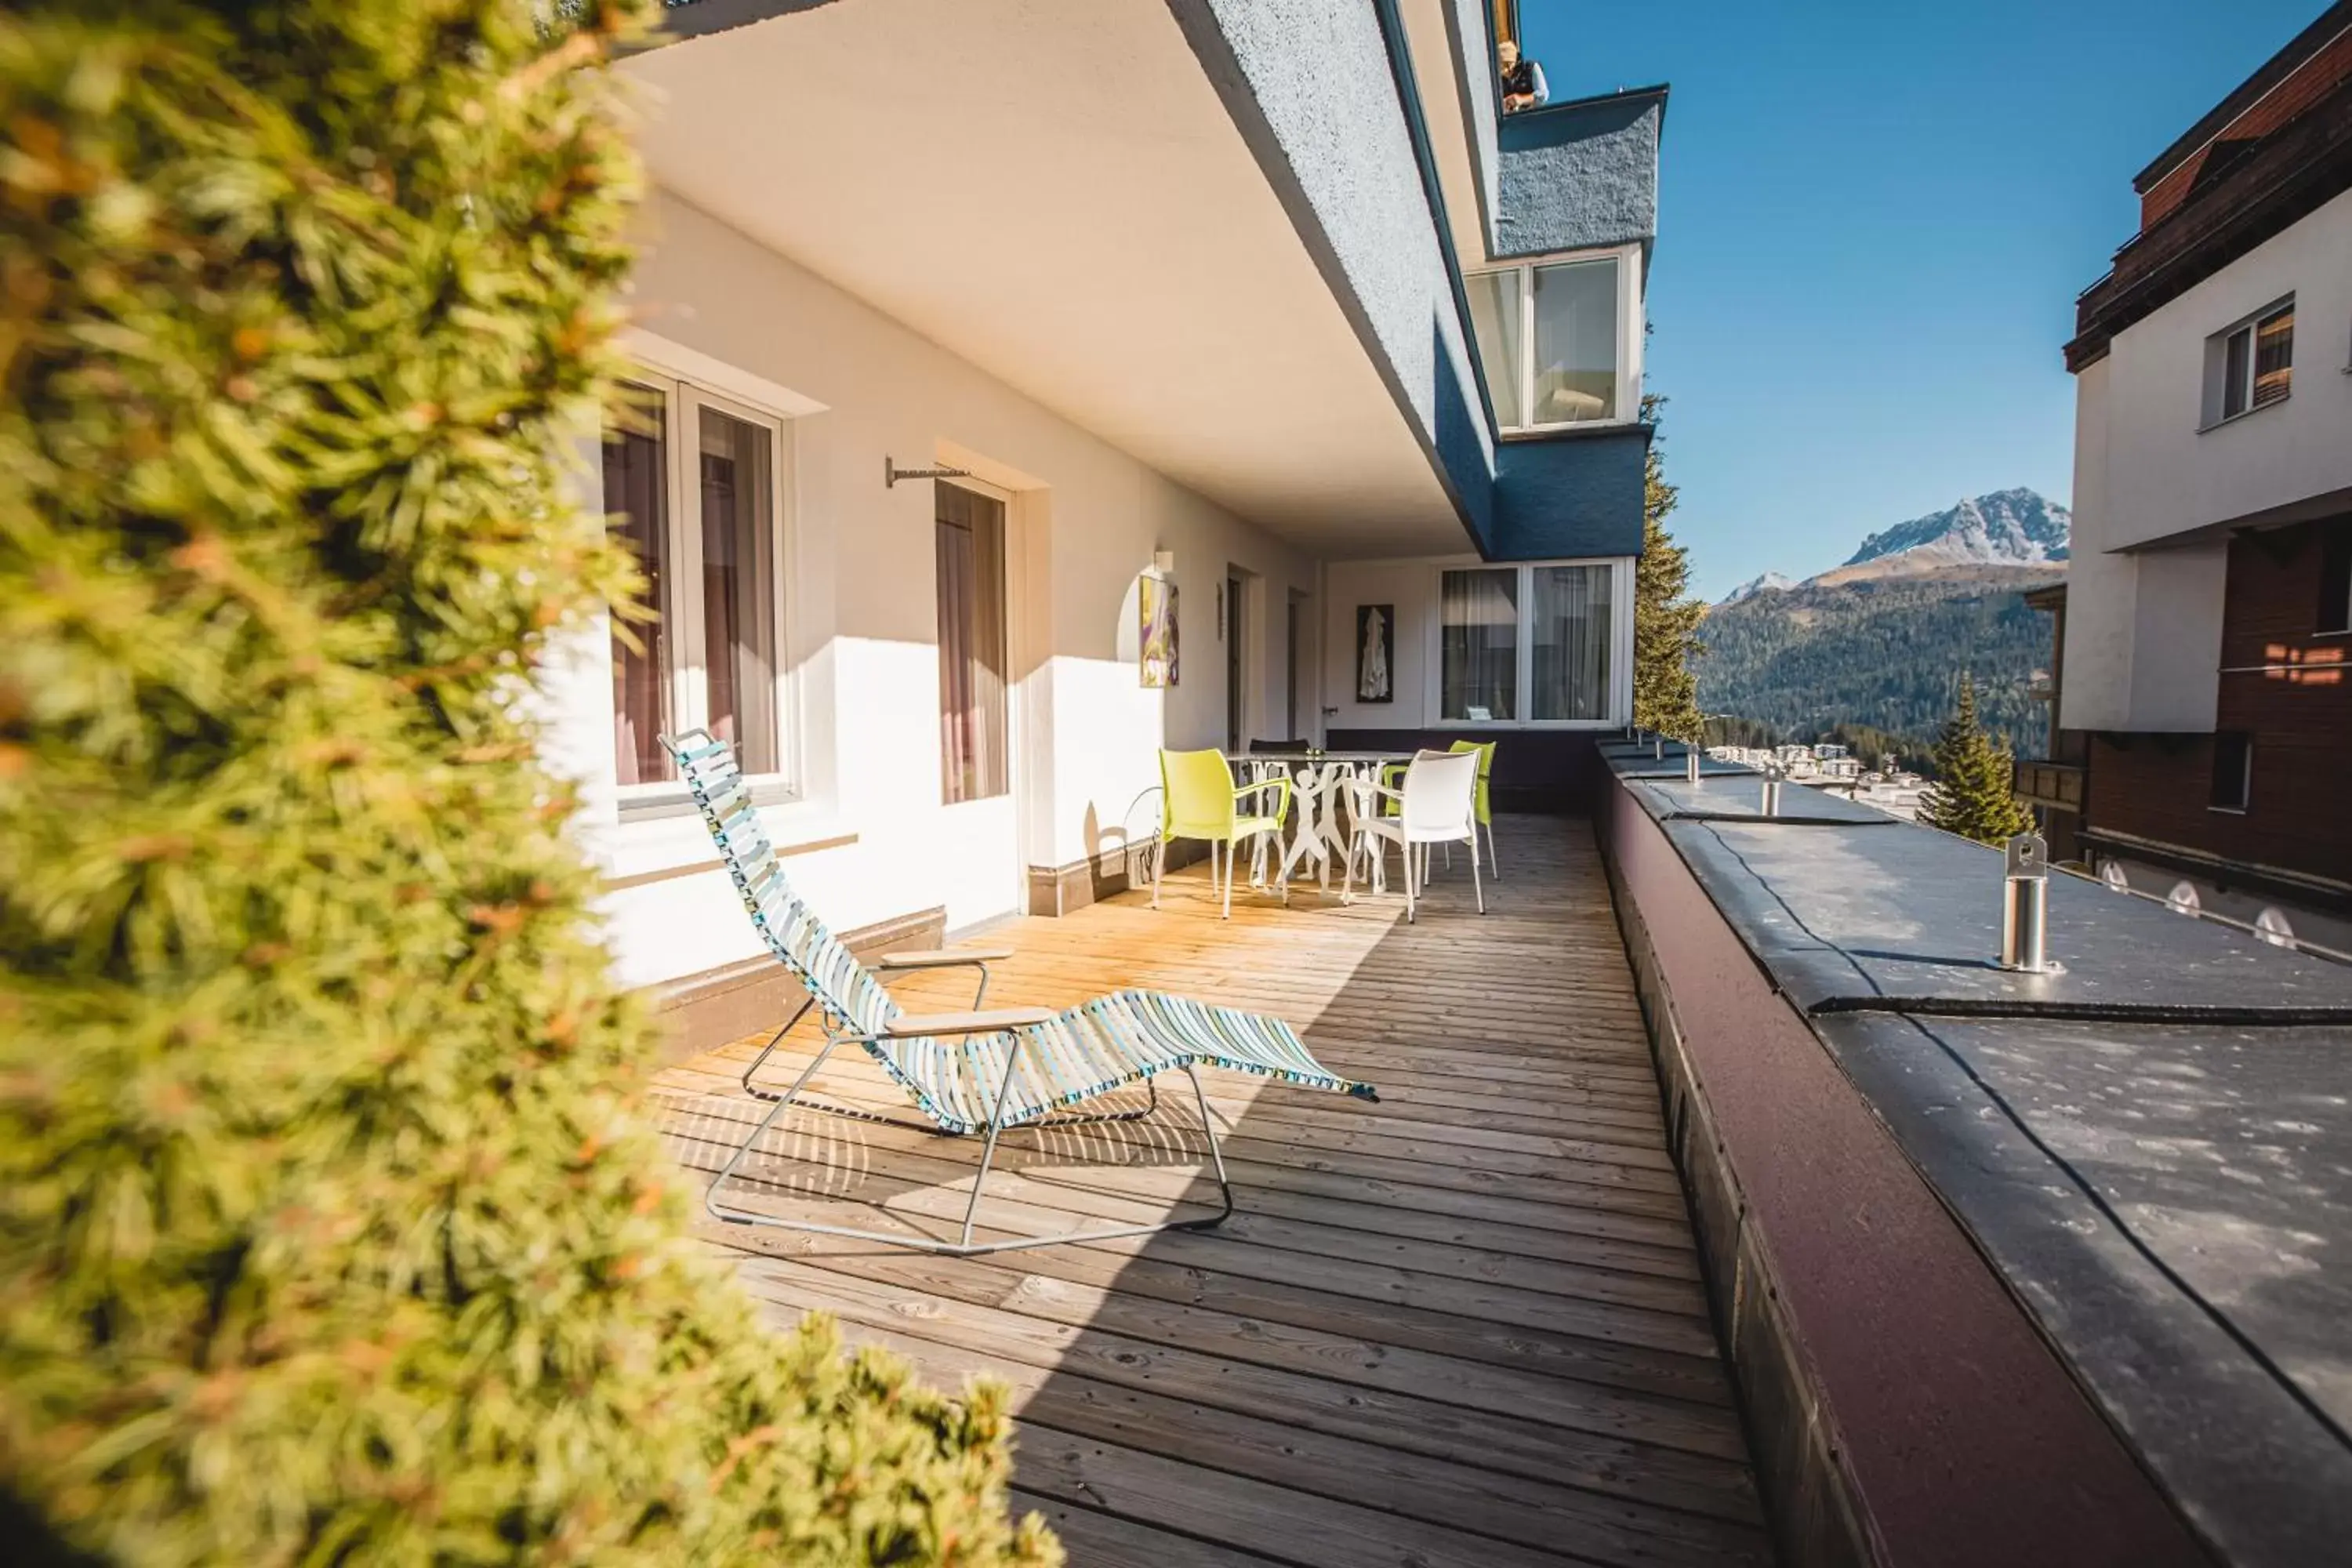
(637,489)
(2274,356)
(1479,652)
(1571,612)
(739,619)
(970,554)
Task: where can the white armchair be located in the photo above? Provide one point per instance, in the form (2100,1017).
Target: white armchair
(1438,804)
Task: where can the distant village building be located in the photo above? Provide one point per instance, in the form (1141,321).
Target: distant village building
(1829,767)
(1896,794)
(2203,717)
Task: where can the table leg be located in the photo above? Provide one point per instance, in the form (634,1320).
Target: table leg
(1307,792)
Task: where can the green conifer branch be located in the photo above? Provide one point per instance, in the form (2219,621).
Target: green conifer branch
(330,1226)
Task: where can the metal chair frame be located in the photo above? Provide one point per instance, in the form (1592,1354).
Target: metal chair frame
(964,1245)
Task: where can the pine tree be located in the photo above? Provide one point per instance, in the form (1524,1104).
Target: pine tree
(1972,792)
(1666,618)
(329,1231)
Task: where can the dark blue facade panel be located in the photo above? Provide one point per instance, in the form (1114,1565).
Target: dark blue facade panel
(1461,452)
(1573,495)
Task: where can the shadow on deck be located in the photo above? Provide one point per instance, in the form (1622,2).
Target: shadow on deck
(1461,1326)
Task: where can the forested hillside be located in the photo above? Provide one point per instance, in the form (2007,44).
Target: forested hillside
(1881,650)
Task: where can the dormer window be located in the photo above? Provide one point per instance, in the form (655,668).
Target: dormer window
(1552,338)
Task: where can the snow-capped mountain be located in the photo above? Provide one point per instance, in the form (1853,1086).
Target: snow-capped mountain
(1771,582)
(2007,528)
(1875,641)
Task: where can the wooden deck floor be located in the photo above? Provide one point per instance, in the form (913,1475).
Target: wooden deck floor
(1461,1326)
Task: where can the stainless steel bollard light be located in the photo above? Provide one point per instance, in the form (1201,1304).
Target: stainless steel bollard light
(1771,802)
(1657,747)
(2025,906)
(1691,757)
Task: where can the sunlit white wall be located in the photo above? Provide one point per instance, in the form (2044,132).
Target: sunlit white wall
(861,621)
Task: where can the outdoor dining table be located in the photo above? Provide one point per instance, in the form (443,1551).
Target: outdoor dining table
(1322,784)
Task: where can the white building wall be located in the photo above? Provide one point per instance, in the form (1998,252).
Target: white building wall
(1411,587)
(2144,617)
(861,626)
(2165,477)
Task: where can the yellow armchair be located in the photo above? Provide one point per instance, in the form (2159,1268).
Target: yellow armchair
(1486,750)
(1202,801)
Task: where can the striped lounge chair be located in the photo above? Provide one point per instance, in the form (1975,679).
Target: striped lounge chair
(979,1071)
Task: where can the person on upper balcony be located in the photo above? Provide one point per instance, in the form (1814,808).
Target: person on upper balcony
(1523,81)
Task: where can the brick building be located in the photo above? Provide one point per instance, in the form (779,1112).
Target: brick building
(2203,732)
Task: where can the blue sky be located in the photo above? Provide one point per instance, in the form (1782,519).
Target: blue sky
(1874,222)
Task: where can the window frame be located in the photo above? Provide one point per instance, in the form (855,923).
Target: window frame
(2218,380)
(1629,336)
(684,397)
(1618,707)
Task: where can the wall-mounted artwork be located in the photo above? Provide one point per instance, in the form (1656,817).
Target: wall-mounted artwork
(1375,653)
(1157,599)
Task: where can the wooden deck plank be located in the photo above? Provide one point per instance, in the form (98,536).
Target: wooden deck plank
(1327,1345)
(1461,1325)
(1500,1441)
(1100,1539)
(1559,1178)
(1318,1250)
(1475,1500)
(1343,1212)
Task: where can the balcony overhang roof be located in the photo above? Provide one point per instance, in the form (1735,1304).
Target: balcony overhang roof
(1059,196)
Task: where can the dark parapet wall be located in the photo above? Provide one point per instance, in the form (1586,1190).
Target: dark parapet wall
(1548,773)
(2015,1269)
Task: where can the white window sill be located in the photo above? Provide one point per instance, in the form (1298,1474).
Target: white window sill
(2245,414)
(658,848)
(661,803)
(1528,432)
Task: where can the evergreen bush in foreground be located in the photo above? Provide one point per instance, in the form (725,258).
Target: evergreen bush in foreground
(329,1230)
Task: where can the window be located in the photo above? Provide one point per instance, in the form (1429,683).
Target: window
(1527,644)
(1478,661)
(1571,643)
(1575,312)
(739,617)
(2336,578)
(637,488)
(2252,365)
(970,536)
(705,532)
(1550,339)
(2233,770)
(1495,317)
